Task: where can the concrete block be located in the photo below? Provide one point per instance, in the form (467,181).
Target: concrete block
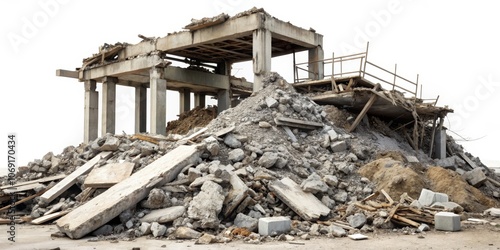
(274,225)
(475,177)
(447,221)
(338,146)
(428,197)
(412,159)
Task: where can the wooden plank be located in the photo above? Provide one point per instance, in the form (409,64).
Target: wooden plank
(106,206)
(374,204)
(365,207)
(145,138)
(405,220)
(363,112)
(8,221)
(23,200)
(472,164)
(393,211)
(371,196)
(224,131)
(49,217)
(496,183)
(306,205)
(350,85)
(299,122)
(22,188)
(328,223)
(69,180)
(41,180)
(192,136)
(387,196)
(108,175)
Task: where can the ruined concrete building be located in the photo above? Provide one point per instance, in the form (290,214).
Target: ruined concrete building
(216,43)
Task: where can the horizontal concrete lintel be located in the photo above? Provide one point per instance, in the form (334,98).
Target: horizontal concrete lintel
(290,33)
(196,77)
(123,67)
(67,73)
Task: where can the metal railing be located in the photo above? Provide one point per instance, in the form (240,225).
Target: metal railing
(357,65)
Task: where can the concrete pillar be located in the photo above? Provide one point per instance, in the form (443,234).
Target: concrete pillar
(223,100)
(158,88)
(184,100)
(316,68)
(440,143)
(91,112)
(199,100)
(140,109)
(108,105)
(261,56)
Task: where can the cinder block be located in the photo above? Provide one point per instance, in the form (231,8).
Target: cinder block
(447,221)
(440,197)
(338,146)
(274,225)
(426,197)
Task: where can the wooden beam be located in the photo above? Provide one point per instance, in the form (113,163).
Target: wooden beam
(106,206)
(108,175)
(67,182)
(41,180)
(23,200)
(405,220)
(363,112)
(296,123)
(49,217)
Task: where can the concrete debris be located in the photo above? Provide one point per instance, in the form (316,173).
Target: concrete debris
(243,170)
(206,206)
(447,221)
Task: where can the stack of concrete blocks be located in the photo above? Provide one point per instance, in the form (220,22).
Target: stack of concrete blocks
(274,225)
(428,197)
(447,221)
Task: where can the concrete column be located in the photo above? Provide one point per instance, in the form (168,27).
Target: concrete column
(199,100)
(91,112)
(184,100)
(158,88)
(316,68)
(140,109)
(223,100)
(440,143)
(261,56)
(108,105)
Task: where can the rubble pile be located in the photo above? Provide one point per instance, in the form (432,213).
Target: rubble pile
(197,117)
(275,154)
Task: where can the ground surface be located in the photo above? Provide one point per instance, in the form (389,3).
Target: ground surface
(471,237)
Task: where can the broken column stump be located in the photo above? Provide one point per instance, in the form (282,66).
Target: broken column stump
(129,192)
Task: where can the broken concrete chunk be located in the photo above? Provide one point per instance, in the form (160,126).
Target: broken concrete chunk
(246,221)
(231,141)
(207,205)
(338,146)
(104,230)
(111,144)
(144,229)
(194,174)
(264,124)
(186,233)
(332,135)
(306,205)
(271,102)
(337,231)
(475,177)
(495,212)
(449,206)
(164,215)
(314,184)
(157,198)
(157,229)
(236,155)
(274,225)
(268,159)
(331,180)
(428,197)
(357,220)
(206,239)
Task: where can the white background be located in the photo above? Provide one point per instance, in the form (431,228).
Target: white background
(453,45)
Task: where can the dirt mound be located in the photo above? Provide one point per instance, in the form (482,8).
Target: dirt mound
(197,117)
(451,183)
(398,156)
(393,177)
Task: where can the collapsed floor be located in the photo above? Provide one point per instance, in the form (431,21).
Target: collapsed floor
(253,161)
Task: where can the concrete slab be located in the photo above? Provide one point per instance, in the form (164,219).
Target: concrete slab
(108,175)
(447,221)
(274,225)
(475,177)
(118,198)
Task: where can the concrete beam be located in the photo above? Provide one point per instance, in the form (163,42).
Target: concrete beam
(199,100)
(199,78)
(108,105)
(158,89)
(91,111)
(140,109)
(290,33)
(67,73)
(261,56)
(223,100)
(123,67)
(184,100)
